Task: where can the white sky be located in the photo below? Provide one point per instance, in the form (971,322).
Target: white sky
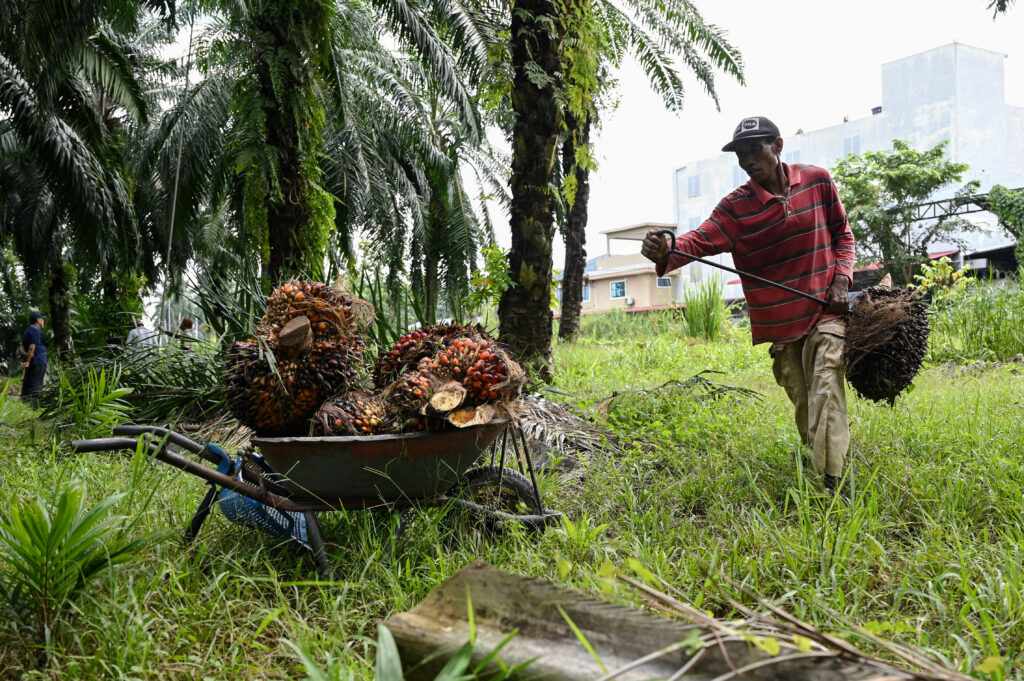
(808,63)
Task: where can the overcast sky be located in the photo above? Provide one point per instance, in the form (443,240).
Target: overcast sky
(808,63)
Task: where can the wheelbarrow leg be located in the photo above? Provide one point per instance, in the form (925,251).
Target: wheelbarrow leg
(200,517)
(316,541)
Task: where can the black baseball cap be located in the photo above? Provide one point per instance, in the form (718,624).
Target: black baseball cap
(32,318)
(752,128)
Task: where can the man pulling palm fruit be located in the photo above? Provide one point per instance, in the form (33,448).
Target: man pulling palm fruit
(787,225)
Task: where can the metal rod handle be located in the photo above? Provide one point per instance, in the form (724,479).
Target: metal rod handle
(675,251)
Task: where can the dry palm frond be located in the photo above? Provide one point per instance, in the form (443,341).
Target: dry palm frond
(792,641)
(697,388)
(561,428)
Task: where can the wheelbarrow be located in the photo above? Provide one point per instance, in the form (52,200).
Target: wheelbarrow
(281,489)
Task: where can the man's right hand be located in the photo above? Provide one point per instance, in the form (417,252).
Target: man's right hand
(654,246)
(24,365)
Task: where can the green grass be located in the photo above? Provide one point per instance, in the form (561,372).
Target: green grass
(930,550)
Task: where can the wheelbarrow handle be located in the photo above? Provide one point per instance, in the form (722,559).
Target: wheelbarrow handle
(675,251)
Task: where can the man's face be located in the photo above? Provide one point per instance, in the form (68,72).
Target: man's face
(758,158)
(40,322)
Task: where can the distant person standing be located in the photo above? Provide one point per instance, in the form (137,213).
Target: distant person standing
(34,351)
(185,334)
(140,337)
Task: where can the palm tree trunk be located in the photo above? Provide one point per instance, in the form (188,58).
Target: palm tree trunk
(575,233)
(288,213)
(59,298)
(299,212)
(524,312)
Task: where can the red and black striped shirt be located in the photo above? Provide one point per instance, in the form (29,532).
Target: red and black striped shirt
(802,242)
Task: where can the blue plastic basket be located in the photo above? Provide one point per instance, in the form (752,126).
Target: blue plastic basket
(247,512)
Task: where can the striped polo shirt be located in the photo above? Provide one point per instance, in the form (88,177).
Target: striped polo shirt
(802,242)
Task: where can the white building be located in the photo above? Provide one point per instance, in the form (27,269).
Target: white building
(953,92)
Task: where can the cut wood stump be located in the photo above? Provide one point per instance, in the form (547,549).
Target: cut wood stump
(446,397)
(297,336)
(620,637)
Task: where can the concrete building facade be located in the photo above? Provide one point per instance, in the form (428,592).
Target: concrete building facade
(626,282)
(955,92)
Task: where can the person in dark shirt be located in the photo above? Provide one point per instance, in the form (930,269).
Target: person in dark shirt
(34,366)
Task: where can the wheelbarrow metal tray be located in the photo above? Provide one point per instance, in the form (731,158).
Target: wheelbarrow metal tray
(360,471)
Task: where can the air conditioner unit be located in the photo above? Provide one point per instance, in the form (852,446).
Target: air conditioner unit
(630,301)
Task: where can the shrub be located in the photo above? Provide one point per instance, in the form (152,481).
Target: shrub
(983,320)
(90,401)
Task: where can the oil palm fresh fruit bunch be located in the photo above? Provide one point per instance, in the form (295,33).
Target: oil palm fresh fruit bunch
(886,341)
(409,349)
(271,399)
(331,313)
(409,395)
(354,413)
(335,364)
(486,371)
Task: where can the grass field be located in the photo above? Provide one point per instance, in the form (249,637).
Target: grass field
(928,551)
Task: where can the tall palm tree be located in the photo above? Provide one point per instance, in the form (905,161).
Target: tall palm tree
(64,72)
(301,131)
(593,34)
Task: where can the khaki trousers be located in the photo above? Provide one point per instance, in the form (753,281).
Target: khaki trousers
(811,370)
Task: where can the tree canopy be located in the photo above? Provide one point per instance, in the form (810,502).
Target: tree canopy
(880,190)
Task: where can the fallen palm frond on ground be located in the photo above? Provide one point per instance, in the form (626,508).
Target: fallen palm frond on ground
(562,429)
(568,636)
(787,640)
(697,388)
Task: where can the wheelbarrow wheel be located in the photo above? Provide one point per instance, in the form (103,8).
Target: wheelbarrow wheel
(480,487)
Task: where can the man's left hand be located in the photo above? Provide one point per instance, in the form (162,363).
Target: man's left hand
(838,295)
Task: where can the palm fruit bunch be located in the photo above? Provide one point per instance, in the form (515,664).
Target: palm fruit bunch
(271,401)
(408,350)
(334,364)
(410,393)
(482,368)
(886,340)
(313,332)
(354,413)
(331,313)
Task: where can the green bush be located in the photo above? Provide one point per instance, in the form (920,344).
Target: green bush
(982,321)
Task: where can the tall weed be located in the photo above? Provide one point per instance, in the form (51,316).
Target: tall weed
(706,311)
(984,321)
(618,323)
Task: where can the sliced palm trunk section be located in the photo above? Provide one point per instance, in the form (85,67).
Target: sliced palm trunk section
(632,645)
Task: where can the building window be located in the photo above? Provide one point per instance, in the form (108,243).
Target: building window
(664,282)
(851,145)
(586,292)
(618,289)
(792,157)
(693,185)
(738,176)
